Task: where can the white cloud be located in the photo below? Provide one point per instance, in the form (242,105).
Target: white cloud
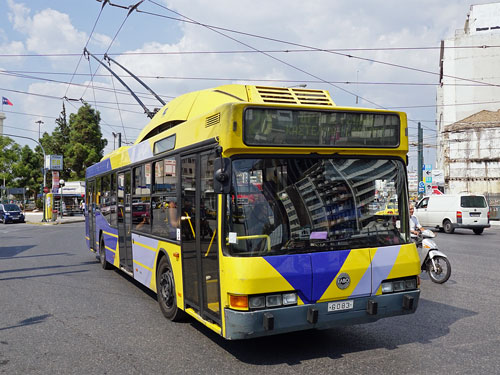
(19,16)
(102,40)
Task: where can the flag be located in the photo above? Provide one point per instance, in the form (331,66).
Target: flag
(6,101)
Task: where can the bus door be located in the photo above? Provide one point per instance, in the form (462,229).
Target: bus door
(91,213)
(125,220)
(199,236)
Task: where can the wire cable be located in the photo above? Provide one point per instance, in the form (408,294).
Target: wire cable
(86,44)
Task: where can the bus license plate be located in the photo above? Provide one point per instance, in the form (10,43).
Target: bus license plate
(341,305)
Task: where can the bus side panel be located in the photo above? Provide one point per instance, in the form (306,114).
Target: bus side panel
(145,253)
(110,236)
(87,235)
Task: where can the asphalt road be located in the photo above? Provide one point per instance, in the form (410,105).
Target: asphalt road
(61,313)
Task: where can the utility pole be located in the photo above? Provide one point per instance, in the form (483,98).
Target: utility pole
(39,122)
(420,149)
(119,140)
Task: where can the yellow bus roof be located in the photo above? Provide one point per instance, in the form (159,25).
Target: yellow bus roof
(196,103)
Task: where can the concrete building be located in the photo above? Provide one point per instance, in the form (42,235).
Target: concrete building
(472,155)
(468,101)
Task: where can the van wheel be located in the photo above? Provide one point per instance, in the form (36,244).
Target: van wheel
(448,227)
(478,230)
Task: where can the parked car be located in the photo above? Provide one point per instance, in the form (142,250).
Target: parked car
(448,212)
(389,209)
(10,212)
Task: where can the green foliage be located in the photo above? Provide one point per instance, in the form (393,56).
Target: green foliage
(79,141)
(86,144)
(9,153)
(28,169)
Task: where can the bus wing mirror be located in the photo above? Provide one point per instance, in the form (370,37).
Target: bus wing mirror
(222,175)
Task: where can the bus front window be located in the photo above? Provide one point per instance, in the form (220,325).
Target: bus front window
(300,204)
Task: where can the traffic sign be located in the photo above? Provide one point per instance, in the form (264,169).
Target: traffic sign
(421,184)
(421,189)
(46,189)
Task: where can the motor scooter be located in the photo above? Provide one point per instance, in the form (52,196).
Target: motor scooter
(433,261)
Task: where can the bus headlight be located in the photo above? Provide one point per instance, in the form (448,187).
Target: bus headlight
(257,302)
(399,285)
(289,299)
(273,300)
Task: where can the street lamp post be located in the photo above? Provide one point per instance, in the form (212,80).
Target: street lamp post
(39,122)
(43,169)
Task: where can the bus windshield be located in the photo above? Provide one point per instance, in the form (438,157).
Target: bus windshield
(305,204)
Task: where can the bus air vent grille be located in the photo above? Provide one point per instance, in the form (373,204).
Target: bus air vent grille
(212,120)
(285,95)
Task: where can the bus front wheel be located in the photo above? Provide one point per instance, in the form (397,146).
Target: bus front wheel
(102,256)
(165,290)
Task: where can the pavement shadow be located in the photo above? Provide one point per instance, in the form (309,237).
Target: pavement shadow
(12,251)
(431,321)
(27,322)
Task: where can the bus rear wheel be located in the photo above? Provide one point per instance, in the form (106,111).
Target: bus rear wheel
(165,290)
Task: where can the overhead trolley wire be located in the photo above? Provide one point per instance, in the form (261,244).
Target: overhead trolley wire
(86,44)
(102,88)
(130,8)
(22,73)
(216,28)
(298,50)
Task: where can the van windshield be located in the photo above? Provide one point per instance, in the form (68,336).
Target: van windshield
(473,202)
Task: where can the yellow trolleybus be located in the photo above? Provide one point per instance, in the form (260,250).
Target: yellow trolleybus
(250,209)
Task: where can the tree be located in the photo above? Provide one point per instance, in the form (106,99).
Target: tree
(28,170)
(86,145)
(9,154)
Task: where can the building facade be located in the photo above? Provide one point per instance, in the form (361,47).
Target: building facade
(472,155)
(468,100)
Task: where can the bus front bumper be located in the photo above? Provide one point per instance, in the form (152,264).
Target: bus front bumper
(249,324)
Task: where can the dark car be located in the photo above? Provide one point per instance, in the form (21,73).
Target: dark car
(10,213)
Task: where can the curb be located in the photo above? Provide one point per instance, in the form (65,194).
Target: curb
(54,222)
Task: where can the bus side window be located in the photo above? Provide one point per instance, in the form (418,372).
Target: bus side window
(164,201)
(141,202)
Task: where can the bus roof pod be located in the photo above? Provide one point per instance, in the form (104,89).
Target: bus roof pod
(197,103)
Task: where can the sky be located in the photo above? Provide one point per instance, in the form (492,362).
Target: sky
(381,54)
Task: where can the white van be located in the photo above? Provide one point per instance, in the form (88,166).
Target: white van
(448,212)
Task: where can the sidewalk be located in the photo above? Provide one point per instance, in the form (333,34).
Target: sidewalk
(36,218)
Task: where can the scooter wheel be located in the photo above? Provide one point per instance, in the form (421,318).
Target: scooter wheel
(442,272)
